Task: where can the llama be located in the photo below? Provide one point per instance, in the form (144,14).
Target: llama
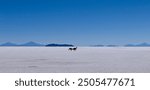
(73,49)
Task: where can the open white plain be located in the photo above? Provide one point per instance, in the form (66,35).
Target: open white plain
(84,60)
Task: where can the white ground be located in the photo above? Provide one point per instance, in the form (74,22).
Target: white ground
(84,60)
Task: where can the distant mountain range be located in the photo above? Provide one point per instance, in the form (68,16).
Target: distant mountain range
(31,43)
(8,44)
(138,45)
(105,45)
(25,44)
(128,45)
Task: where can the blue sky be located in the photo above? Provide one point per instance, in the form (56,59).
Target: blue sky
(80,22)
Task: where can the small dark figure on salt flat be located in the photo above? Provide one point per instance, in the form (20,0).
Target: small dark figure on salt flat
(73,49)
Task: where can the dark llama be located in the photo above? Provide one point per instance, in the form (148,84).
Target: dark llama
(73,49)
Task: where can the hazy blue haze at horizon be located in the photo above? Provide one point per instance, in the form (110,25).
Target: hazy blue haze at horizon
(81,22)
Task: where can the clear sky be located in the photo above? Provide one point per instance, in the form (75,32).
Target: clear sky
(80,22)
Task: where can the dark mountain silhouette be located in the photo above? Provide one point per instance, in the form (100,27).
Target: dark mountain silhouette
(59,45)
(31,43)
(9,44)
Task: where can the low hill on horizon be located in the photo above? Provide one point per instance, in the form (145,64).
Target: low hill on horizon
(59,45)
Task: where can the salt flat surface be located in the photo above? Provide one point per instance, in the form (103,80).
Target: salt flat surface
(84,60)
